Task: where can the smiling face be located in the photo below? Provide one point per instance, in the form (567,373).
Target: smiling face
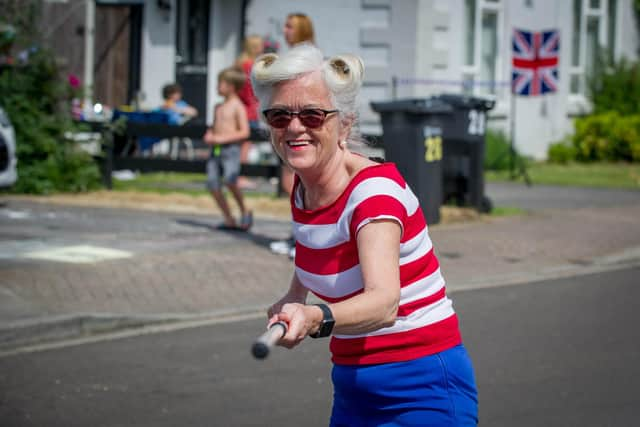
(306,150)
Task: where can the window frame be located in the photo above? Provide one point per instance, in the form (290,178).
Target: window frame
(471,72)
(580,71)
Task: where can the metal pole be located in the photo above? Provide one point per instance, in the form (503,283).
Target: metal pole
(394,87)
(89,50)
(512,148)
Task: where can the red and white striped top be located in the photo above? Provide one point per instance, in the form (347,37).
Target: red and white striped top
(327,264)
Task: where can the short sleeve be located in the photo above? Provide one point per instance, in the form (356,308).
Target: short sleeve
(377,207)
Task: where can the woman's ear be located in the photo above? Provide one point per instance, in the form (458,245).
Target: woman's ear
(346,123)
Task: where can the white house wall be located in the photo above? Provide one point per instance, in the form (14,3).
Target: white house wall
(437,47)
(410,39)
(382,32)
(225,22)
(158,53)
(627,35)
(540,120)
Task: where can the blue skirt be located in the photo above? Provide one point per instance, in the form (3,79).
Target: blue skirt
(436,391)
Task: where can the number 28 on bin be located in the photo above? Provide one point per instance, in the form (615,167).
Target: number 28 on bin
(432,149)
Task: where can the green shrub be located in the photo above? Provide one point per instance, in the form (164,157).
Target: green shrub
(32,95)
(561,152)
(497,155)
(615,86)
(607,137)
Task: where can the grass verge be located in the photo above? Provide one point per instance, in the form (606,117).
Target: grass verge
(599,175)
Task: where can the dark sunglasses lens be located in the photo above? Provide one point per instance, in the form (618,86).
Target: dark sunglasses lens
(278,118)
(312,118)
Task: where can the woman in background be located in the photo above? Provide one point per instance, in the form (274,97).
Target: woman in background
(253,47)
(298,28)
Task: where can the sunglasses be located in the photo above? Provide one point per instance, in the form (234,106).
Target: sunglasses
(311,118)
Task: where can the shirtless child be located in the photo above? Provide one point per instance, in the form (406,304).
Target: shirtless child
(230,128)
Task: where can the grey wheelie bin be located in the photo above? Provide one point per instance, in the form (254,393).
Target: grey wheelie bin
(463,151)
(413,131)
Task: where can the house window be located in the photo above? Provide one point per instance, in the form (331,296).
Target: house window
(593,34)
(482,54)
(611,28)
(489,50)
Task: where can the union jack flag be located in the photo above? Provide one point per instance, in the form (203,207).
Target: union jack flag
(535,62)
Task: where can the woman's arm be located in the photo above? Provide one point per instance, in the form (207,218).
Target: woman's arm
(297,294)
(210,136)
(379,252)
(187,110)
(377,307)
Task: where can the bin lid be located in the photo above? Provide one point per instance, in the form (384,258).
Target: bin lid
(466,102)
(413,106)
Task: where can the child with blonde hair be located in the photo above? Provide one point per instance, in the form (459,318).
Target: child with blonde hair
(230,128)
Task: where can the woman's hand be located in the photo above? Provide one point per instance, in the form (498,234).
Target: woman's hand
(291,309)
(302,319)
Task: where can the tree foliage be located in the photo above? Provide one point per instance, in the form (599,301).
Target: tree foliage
(37,100)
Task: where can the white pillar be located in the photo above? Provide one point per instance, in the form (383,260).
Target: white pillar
(89,48)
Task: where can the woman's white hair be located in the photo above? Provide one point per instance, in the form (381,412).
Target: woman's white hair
(342,74)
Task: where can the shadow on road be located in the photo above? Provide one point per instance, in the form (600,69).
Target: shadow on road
(257,239)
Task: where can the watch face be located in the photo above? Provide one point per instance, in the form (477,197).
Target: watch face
(326,326)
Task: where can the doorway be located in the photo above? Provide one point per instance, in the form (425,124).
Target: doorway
(192,47)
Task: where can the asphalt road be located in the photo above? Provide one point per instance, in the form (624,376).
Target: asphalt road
(556,353)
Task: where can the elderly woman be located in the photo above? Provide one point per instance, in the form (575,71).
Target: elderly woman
(362,246)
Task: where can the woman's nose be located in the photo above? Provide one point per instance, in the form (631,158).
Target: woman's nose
(295,125)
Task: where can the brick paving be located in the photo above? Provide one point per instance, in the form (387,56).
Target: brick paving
(189,282)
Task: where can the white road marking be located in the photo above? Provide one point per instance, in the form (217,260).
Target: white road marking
(79,254)
(11,214)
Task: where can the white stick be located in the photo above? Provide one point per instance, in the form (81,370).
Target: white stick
(264,343)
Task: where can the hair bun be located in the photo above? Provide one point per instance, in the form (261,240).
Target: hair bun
(340,66)
(347,67)
(267,59)
(261,66)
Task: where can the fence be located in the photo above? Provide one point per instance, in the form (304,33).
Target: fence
(113,160)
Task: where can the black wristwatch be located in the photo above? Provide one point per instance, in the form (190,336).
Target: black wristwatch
(326,325)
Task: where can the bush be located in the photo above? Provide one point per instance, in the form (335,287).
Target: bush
(497,156)
(31,94)
(608,136)
(615,86)
(561,152)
